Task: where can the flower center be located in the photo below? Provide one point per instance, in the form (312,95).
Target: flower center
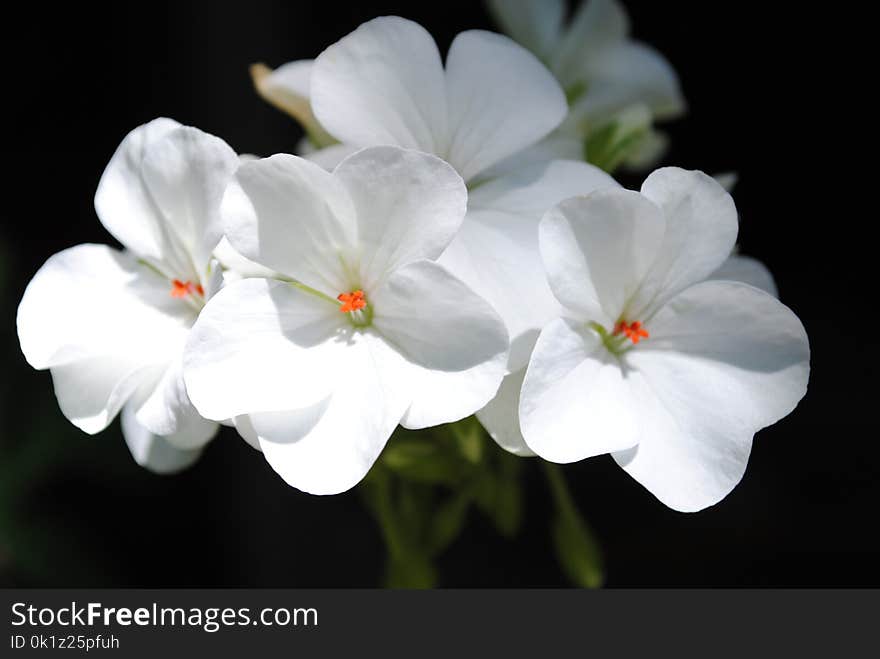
(353,301)
(182,289)
(355,305)
(633,331)
(617,341)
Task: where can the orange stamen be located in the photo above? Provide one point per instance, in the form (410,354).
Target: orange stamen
(180,289)
(633,331)
(353,301)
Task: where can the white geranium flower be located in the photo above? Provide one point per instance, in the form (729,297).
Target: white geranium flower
(669,373)
(368,331)
(111,325)
(501,416)
(617,87)
(385,83)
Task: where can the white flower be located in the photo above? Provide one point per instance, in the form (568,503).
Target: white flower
(111,325)
(617,87)
(385,83)
(669,373)
(501,416)
(367,332)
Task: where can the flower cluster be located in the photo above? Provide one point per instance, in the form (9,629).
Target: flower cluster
(449,242)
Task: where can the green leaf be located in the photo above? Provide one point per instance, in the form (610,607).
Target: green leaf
(469,440)
(574,92)
(508,507)
(577,550)
(447,522)
(410,571)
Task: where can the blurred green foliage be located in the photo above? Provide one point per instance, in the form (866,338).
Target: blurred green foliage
(426,483)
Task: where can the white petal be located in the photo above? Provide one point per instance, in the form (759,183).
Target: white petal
(701,228)
(496,251)
(186,173)
(293,77)
(536,24)
(286,87)
(165,409)
(408,204)
(91,391)
(747,270)
(723,361)
(457,345)
(329,447)
(631,72)
(576,401)
(330,156)
(501,100)
(532,190)
(290,215)
(383,84)
(262,345)
(152,451)
(246,430)
(596,26)
(233,261)
(727,180)
(104,324)
(122,201)
(558,145)
(500,416)
(597,250)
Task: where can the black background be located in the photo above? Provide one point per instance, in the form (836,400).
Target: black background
(77,511)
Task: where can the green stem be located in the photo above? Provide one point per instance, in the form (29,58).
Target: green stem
(559,488)
(408,566)
(576,547)
(311,291)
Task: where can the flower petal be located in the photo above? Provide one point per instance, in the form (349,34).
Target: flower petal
(330,446)
(496,252)
(596,26)
(186,173)
(236,267)
(701,229)
(104,324)
(288,88)
(262,345)
(723,361)
(383,84)
(122,200)
(152,451)
(748,271)
(597,250)
(536,24)
(91,391)
(501,100)
(408,204)
(558,145)
(330,156)
(500,416)
(165,409)
(290,215)
(576,401)
(626,73)
(454,341)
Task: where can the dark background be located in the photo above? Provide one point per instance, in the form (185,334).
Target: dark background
(77,511)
